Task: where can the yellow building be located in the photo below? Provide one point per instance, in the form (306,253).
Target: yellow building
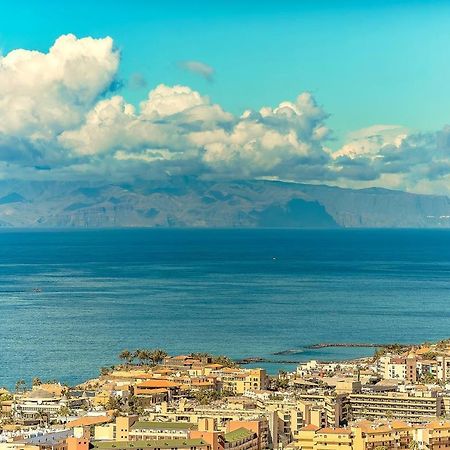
(433,436)
(395,435)
(333,439)
(305,437)
(240,380)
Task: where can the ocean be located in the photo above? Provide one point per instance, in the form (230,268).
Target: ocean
(70,301)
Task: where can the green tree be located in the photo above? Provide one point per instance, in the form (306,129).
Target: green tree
(36,381)
(64,411)
(134,406)
(279,384)
(137,355)
(442,345)
(144,356)
(206,396)
(43,418)
(157,356)
(105,371)
(113,403)
(20,386)
(430,355)
(224,361)
(428,378)
(126,356)
(6,397)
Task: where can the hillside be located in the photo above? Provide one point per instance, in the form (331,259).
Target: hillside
(189,202)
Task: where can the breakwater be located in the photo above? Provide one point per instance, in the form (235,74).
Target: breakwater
(340,344)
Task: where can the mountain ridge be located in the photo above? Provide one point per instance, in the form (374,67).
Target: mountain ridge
(191,202)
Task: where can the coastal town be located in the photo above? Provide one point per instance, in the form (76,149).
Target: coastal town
(397,399)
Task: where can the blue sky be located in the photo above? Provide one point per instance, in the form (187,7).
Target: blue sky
(378,66)
(365,62)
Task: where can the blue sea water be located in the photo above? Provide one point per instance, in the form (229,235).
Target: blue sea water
(236,292)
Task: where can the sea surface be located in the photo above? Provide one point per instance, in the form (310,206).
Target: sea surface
(70,301)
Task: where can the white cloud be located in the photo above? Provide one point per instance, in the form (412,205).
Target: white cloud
(165,120)
(418,162)
(280,142)
(199,68)
(165,101)
(57,113)
(369,141)
(42,94)
(184,126)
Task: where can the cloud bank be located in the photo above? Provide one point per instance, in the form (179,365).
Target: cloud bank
(61,118)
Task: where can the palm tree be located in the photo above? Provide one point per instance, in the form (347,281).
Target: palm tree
(157,356)
(136,354)
(113,403)
(104,371)
(126,356)
(225,361)
(64,411)
(141,355)
(20,385)
(43,418)
(145,356)
(36,381)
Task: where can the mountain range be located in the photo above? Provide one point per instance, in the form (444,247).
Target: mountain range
(191,202)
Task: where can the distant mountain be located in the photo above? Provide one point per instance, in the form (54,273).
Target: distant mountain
(189,202)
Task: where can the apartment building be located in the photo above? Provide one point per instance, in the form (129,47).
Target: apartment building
(239,381)
(394,435)
(334,409)
(145,430)
(408,406)
(443,368)
(333,439)
(364,435)
(411,367)
(129,428)
(396,368)
(433,436)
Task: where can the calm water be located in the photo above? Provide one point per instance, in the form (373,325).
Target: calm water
(220,291)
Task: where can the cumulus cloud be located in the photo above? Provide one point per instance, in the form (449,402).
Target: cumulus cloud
(60,112)
(198,68)
(370,140)
(178,125)
(418,162)
(43,93)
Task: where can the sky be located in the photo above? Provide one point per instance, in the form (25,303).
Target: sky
(353,93)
